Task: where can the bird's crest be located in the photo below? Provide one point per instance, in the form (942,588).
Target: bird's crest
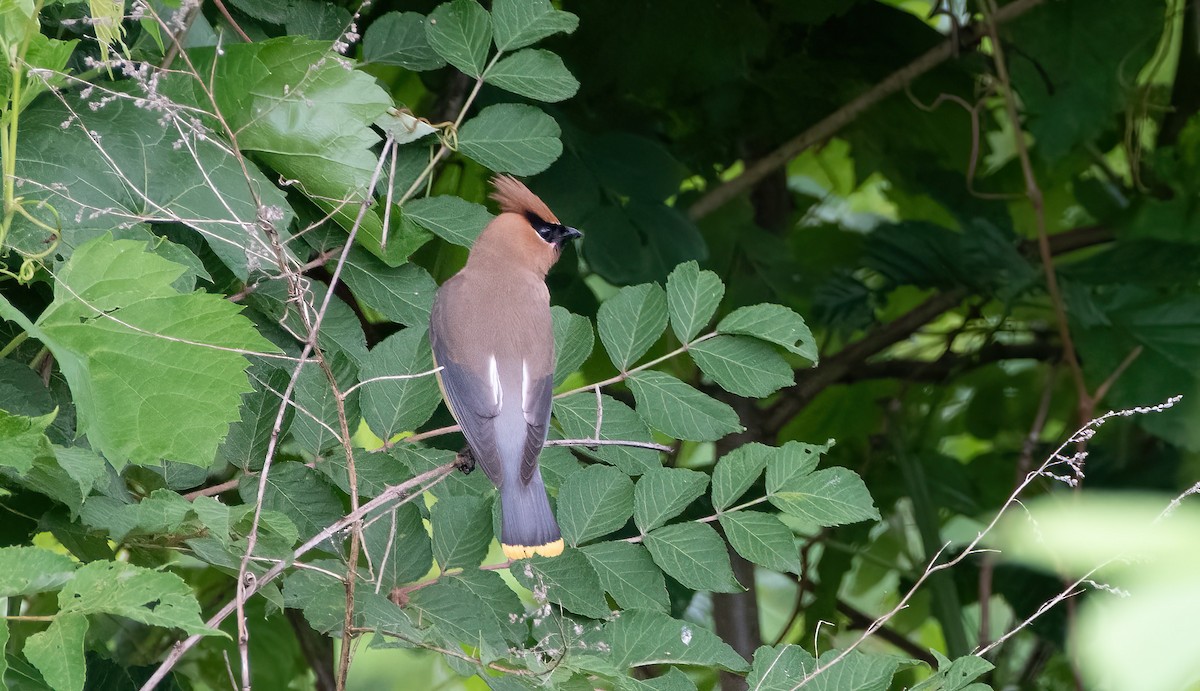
(513,196)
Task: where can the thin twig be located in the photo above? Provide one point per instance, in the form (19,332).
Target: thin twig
(406,491)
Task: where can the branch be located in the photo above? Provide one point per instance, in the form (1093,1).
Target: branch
(405,492)
(892,84)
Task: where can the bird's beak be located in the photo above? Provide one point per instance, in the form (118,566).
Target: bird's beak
(564,234)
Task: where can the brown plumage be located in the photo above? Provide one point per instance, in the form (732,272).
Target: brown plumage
(491,335)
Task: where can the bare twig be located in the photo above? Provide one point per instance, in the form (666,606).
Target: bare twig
(972,548)
(406,491)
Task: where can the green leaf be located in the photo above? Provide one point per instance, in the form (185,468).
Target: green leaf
(23,440)
(399,547)
(593,502)
(536,74)
(22,391)
(316,425)
(461,32)
(462,530)
(457,617)
(157,598)
(30,570)
(791,462)
(451,218)
(1071,89)
(511,138)
(830,497)
(640,240)
(398,38)
(568,580)
(641,637)
(391,406)
(664,493)
(673,680)
(519,23)
(736,471)
(573,342)
(319,130)
(743,366)
(4,635)
(317,20)
(577,416)
(57,652)
(298,492)
(139,174)
(679,410)
(403,294)
(150,369)
(694,555)
(957,675)
(775,324)
(763,539)
(495,594)
(778,668)
(631,322)
(246,444)
(692,298)
(629,575)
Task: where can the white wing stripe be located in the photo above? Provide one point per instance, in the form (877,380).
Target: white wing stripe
(526,403)
(494,382)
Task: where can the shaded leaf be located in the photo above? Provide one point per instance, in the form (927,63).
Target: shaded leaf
(390,406)
(403,294)
(398,38)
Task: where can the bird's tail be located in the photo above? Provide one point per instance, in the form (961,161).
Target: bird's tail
(527,524)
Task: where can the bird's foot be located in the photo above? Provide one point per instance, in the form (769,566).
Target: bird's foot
(465,460)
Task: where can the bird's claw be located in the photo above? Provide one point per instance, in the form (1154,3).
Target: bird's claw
(465,460)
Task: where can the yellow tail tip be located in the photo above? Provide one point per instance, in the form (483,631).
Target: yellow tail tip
(550,549)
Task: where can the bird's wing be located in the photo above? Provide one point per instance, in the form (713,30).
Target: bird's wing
(468,395)
(536,400)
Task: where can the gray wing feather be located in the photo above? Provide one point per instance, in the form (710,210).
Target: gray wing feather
(537,420)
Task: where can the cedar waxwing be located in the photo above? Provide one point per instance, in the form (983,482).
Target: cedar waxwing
(491,335)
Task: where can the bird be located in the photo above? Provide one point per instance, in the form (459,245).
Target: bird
(493,348)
